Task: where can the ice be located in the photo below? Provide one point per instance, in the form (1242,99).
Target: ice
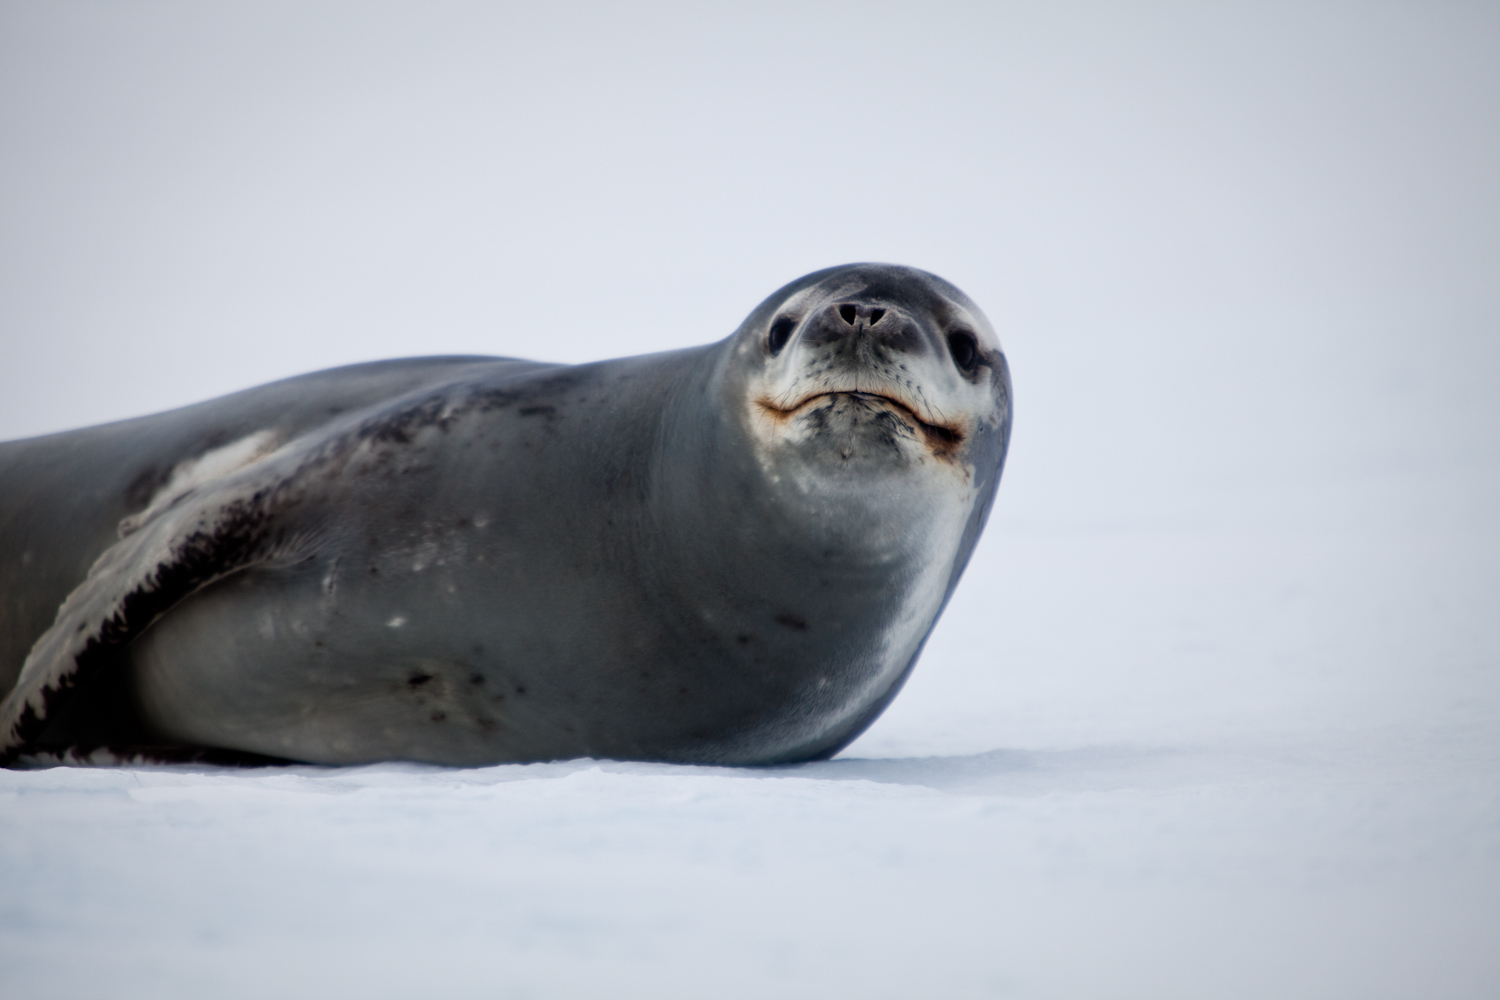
(1367,869)
(1282,782)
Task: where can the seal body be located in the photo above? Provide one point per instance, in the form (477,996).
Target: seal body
(726,554)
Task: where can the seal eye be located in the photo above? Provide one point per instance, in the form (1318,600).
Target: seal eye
(965,349)
(780,331)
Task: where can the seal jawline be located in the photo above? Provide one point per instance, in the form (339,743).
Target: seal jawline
(942,439)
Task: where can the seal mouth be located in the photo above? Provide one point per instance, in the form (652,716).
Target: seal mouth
(942,439)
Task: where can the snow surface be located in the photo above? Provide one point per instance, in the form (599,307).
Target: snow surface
(1258,765)
(1215,712)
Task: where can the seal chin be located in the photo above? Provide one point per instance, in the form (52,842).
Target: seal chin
(857,429)
(879,419)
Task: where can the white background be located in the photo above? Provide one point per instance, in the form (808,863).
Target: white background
(1216,711)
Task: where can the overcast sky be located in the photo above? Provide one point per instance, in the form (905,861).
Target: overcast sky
(1223,245)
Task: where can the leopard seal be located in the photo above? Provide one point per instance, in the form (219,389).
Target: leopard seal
(726,554)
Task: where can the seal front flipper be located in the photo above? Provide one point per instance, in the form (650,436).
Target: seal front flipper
(217,528)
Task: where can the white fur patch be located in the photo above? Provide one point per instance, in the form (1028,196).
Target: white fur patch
(193,473)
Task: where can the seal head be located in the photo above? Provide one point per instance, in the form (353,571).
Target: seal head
(872,367)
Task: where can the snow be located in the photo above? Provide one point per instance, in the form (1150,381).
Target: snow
(1279,869)
(1284,782)
(1215,711)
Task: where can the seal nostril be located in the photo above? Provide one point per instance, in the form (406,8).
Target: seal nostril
(875,315)
(965,349)
(781,331)
(848,312)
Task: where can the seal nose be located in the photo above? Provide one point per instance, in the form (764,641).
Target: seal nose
(852,313)
(852,325)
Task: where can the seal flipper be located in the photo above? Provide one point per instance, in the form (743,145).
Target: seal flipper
(217,529)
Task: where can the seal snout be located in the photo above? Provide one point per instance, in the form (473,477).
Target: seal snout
(864,330)
(868,350)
